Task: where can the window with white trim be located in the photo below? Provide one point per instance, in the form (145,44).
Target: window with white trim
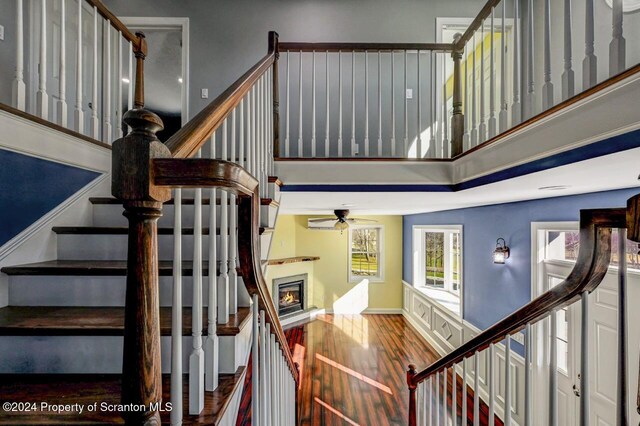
(366,252)
(438,257)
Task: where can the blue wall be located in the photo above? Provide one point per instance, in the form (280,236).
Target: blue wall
(493,291)
(31,187)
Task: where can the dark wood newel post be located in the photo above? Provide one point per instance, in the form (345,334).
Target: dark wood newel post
(132,183)
(457,120)
(411,372)
(275,48)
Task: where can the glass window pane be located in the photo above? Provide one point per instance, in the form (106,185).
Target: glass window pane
(434,259)
(633,258)
(364,252)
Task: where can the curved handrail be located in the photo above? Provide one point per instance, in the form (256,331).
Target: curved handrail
(115,22)
(199,173)
(590,269)
(186,141)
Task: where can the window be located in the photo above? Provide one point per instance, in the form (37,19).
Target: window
(365,253)
(438,257)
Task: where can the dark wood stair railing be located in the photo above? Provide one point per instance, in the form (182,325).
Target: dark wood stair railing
(591,266)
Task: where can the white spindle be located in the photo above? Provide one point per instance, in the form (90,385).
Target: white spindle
(326,131)
(233,233)
(437,399)
(287,148)
(106,93)
(196,359)
(530,102)
(62,81)
(223,277)
(78,116)
(445,113)
(95,121)
(131,78)
(353,103)
(255,355)
(119,88)
(42,98)
(18,87)
(528,384)
(340,104)
(268,363)
(617,47)
(507,381)
(454,401)
(590,61)
(430,412)
(516,107)
(433,106)
(313,104)
(622,413)
(553,370)
(482,128)
(176,311)
(476,389)
(262,371)
(366,103)
(273,381)
(241,138)
(492,385)
(251,130)
(393,104)
(405,143)
(547,87)
(492,79)
(211,347)
(419,132)
(445,408)
(300,148)
(585,336)
(568,77)
(464,391)
(474,103)
(502,118)
(379,105)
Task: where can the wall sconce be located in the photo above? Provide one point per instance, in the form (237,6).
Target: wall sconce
(502,252)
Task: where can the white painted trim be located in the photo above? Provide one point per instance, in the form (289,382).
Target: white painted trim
(140,22)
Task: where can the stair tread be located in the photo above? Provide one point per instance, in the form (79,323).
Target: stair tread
(187,201)
(97,321)
(124,230)
(93,268)
(86,389)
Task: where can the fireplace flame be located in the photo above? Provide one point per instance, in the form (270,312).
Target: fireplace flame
(288,298)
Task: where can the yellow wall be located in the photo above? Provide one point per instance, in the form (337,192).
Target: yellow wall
(329,284)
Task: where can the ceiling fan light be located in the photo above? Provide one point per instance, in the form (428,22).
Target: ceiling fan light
(341,225)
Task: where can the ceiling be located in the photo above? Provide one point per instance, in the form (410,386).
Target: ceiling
(614,171)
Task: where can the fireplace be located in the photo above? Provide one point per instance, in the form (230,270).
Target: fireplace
(289,294)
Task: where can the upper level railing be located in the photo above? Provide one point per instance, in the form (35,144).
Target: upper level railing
(515,63)
(74,62)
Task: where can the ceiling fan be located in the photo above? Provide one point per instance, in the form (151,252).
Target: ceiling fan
(341,220)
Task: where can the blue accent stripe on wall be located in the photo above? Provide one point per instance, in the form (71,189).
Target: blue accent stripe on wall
(31,187)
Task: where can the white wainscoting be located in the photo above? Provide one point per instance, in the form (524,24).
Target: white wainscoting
(445,331)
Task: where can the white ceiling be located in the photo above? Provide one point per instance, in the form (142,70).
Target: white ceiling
(614,171)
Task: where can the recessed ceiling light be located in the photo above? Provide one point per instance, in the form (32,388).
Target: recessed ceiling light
(125,80)
(554,187)
(179,79)
(348,205)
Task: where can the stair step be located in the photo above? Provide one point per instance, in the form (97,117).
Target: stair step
(185,201)
(93,268)
(123,230)
(87,389)
(96,321)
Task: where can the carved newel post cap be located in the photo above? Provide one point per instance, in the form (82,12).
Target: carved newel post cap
(143,120)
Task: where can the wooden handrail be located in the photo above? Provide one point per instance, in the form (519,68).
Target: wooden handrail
(363,47)
(186,141)
(590,269)
(199,173)
(485,12)
(115,22)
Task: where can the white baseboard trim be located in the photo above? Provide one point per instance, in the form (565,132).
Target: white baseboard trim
(45,220)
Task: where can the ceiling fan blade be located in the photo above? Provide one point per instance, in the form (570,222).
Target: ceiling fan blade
(322,220)
(357,220)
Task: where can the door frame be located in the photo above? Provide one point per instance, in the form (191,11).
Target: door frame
(145,22)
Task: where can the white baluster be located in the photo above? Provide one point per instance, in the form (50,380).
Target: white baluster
(530,102)
(430,402)
(106,94)
(528,384)
(95,121)
(18,88)
(131,79)
(585,376)
(492,384)
(366,103)
(233,245)
(353,103)
(437,399)
(241,155)
(503,115)
(464,391)
(466,138)
(250,129)
(419,132)
(274,389)
(313,105)
(445,408)
(78,116)
(568,77)
(300,148)
(507,381)
(393,104)
(223,277)
(516,107)
(287,148)
(211,344)
(433,99)
(553,370)
(255,356)
(176,311)
(474,103)
(622,413)
(340,104)
(326,131)
(482,128)
(547,87)
(445,112)
(454,400)
(492,79)
(269,378)
(379,106)
(196,359)
(617,47)
(405,143)
(42,98)
(476,389)
(62,88)
(590,61)
(119,89)
(262,370)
